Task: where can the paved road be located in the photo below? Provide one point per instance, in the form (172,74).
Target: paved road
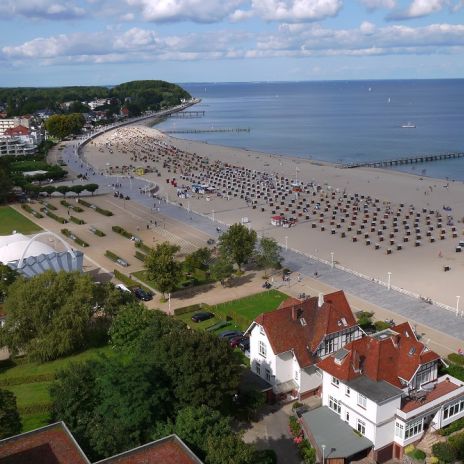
(409,307)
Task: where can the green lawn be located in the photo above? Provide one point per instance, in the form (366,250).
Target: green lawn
(11,220)
(30,382)
(198,277)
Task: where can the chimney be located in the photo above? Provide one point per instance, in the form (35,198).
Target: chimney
(320,301)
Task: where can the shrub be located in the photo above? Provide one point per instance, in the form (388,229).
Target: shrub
(456,358)
(83,202)
(294,426)
(50,206)
(297,405)
(105,212)
(381,325)
(119,230)
(32,211)
(117,259)
(97,232)
(453,427)
(54,216)
(70,235)
(145,248)
(140,255)
(457,442)
(417,454)
(444,452)
(307,452)
(77,220)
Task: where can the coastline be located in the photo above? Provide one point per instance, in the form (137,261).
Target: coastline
(425,277)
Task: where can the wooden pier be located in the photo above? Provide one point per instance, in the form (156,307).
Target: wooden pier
(205,131)
(187,114)
(401,161)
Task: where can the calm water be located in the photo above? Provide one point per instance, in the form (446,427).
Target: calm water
(342,121)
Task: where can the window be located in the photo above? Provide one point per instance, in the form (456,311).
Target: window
(412,429)
(425,375)
(334,405)
(268,375)
(258,368)
(262,349)
(361,427)
(347,391)
(453,409)
(347,416)
(335,381)
(261,330)
(296,374)
(329,346)
(399,430)
(362,401)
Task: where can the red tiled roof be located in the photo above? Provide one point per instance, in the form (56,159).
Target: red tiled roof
(18,130)
(169,450)
(441,389)
(285,332)
(52,444)
(393,357)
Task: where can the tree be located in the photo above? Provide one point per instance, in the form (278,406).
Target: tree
(7,277)
(199,259)
(10,422)
(92,188)
(78,189)
(229,450)
(201,368)
(49,314)
(48,189)
(63,189)
(268,254)
(63,125)
(5,185)
(221,269)
(162,268)
(238,243)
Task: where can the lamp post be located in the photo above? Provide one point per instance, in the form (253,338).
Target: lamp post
(286,243)
(323,454)
(212,216)
(389,280)
(188,206)
(332,259)
(457,304)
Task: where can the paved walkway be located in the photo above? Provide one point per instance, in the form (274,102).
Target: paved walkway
(432,316)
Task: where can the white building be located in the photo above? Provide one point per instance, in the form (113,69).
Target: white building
(386,387)
(286,344)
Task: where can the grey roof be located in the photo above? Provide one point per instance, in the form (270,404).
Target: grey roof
(251,381)
(339,438)
(379,392)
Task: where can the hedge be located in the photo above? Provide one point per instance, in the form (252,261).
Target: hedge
(50,206)
(77,220)
(83,202)
(444,452)
(11,381)
(97,232)
(143,247)
(54,216)
(456,358)
(126,280)
(113,256)
(70,235)
(32,211)
(105,212)
(140,255)
(119,230)
(453,427)
(191,308)
(77,209)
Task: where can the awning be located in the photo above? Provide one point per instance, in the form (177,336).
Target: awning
(285,387)
(339,438)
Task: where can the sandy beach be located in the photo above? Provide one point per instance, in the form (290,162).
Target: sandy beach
(370,219)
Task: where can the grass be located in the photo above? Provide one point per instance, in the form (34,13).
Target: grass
(198,277)
(29,393)
(11,220)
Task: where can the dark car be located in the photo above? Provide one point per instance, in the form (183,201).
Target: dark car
(202,316)
(141,294)
(210,241)
(228,334)
(234,342)
(244,345)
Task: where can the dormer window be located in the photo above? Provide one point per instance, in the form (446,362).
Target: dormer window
(412,350)
(335,381)
(303,321)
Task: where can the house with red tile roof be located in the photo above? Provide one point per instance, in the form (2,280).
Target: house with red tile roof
(386,387)
(17,131)
(286,344)
(54,444)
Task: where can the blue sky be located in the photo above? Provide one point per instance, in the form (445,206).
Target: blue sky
(95,42)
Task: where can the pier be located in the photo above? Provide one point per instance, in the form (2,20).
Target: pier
(205,131)
(401,161)
(188,114)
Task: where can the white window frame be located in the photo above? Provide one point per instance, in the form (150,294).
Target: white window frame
(361,427)
(268,374)
(258,368)
(347,390)
(261,330)
(362,401)
(413,429)
(262,349)
(329,344)
(335,382)
(335,405)
(453,409)
(399,430)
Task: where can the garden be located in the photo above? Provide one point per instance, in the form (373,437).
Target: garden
(10,220)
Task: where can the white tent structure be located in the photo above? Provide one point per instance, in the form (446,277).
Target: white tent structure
(30,256)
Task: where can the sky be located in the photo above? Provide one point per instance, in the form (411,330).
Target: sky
(104,42)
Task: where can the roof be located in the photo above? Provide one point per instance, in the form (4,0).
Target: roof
(390,355)
(52,444)
(302,325)
(167,450)
(18,130)
(379,392)
(12,247)
(339,439)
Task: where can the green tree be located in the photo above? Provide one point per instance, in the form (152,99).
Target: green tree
(5,185)
(201,368)
(77,189)
(268,254)
(10,422)
(229,450)
(63,125)
(63,189)
(162,267)
(48,315)
(48,189)
(221,269)
(92,188)
(7,277)
(199,259)
(238,243)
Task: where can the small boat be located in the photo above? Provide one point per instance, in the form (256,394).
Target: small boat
(408,125)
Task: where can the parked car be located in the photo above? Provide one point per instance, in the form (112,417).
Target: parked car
(202,316)
(210,241)
(141,294)
(244,345)
(234,342)
(122,287)
(228,334)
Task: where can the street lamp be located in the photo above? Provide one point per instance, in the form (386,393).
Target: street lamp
(332,259)
(212,215)
(457,305)
(286,243)
(389,280)
(323,454)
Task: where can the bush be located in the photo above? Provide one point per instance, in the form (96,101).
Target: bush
(119,230)
(381,325)
(70,235)
(66,204)
(105,212)
(83,202)
(416,454)
(50,206)
(97,232)
(139,255)
(54,216)
(444,452)
(297,405)
(307,452)
(456,358)
(295,427)
(453,427)
(77,220)
(32,211)
(145,248)
(117,259)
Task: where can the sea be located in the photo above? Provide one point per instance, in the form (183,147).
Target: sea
(335,121)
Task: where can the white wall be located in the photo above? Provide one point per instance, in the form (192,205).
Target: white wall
(268,362)
(284,370)
(310,379)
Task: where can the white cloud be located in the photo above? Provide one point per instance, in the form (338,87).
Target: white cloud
(203,11)
(240,15)
(41,9)
(296,10)
(377,4)
(367,28)
(420,8)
